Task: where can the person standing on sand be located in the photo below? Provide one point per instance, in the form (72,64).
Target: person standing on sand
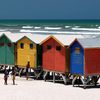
(27,69)
(13,75)
(6,74)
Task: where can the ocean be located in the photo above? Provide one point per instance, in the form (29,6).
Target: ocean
(51,26)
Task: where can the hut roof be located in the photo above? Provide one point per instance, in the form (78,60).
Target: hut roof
(64,39)
(14,37)
(89,42)
(37,38)
(1,33)
(67,39)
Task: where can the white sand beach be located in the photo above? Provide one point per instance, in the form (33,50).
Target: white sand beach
(40,90)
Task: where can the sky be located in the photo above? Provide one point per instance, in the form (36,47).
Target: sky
(49,9)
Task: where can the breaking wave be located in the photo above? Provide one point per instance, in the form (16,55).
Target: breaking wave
(27,26)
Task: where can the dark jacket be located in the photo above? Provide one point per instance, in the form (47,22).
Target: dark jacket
(6,73)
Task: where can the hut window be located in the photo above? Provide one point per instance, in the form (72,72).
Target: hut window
(22,45)
(58,48)
(77,50)
(48,47)
(9,44)
(1,44)
(31,46)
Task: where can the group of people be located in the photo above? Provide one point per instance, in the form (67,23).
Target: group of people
(6,73)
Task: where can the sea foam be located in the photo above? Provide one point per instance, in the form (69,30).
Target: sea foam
(59,32)
(86,29)
(52,28)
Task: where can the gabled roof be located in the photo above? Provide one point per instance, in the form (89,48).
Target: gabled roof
(15,37)
(64,40)
(12,37)
(49,37)
(37,38)
(90,42)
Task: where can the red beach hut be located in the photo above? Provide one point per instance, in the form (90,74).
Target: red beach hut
(56,56)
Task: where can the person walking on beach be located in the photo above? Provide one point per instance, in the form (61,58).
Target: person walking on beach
(13,75)
(27,69)
(6,74)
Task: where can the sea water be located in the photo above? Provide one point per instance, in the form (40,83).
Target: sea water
(51,26)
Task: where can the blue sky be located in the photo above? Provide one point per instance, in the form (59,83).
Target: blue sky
(49,9)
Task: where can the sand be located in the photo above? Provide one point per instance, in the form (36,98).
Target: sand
(40,90)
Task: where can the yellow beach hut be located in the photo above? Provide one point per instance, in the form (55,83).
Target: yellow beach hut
(29,50)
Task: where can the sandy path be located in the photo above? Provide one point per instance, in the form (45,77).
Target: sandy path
(40,90)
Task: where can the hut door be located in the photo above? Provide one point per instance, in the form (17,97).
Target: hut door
(59,57)
(32,59)
(10,53)
(77,60)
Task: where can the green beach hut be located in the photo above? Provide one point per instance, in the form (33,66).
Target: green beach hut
(8,48)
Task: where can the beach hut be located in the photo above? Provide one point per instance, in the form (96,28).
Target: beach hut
(7,48)
(84,60)
(26,52)
(55,55)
